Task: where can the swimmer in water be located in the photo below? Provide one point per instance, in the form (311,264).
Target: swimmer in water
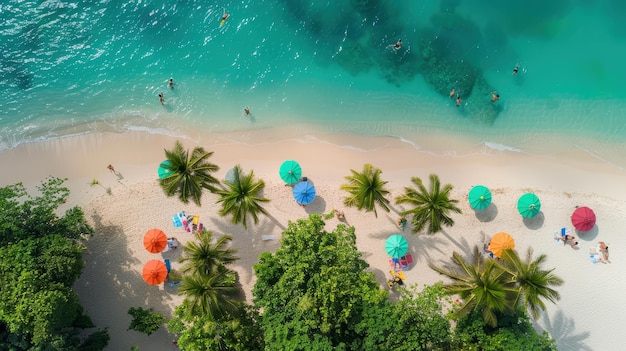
(458,100)
(246,111)
(161,99)
(516,69)
(495,96)
(452,92)
(395,47)
(171,83)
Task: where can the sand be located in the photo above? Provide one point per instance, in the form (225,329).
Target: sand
(127,204)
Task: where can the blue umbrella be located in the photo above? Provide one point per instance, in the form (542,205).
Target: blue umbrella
(304,193)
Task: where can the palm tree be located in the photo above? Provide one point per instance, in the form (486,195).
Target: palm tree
(204,256)
(366,189)
(190,173)
(481,285)
(430,206)
(212,295)
(241,197)
(533,283)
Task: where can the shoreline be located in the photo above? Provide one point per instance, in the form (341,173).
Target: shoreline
(111,281)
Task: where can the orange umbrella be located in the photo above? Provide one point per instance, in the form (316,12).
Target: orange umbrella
(155,240)
(154,272)
(500,242)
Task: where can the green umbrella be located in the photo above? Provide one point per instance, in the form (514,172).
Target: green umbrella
(479,197)
(290,172)
(396,246)
(528,205)
(164,169)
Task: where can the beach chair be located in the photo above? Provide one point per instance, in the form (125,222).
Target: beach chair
(168,265)
(268,237)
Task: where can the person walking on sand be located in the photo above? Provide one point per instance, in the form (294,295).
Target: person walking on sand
(110,168)
(161,99)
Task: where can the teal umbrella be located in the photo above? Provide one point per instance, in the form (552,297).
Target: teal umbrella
(164,169)
(290,172)
(479,197)
(396,246)
(528,205)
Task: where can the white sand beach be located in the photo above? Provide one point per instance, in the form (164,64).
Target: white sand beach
(127,204)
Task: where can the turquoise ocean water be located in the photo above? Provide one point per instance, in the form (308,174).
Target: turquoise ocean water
(70,67)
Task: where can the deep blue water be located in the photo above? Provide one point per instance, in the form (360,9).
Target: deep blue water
(70,67)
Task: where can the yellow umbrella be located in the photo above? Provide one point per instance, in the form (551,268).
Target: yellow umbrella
(500,242)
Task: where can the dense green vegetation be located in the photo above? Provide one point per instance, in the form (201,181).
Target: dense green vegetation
(40,259)
(315,294)
(145,320)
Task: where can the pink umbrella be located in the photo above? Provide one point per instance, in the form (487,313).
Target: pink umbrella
(583,219)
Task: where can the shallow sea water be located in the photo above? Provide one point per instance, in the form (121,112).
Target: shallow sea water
(69,67)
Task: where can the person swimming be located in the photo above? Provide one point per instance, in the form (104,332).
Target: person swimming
(452,92)
(246,111)
(459,101)
(161,99)
(396,46)
(224,18)
(171,83)
(495,96)
(516,69)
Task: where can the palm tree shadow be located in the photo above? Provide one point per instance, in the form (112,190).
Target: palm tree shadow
(561,330)
(463,246)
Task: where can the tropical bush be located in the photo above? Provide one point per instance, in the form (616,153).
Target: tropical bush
(145,320)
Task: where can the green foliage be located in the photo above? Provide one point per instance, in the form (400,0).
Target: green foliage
(40,259)
(206,254)
(313,290)
(415,322)
(534,282)
(493,288)
(134,348)
(242,198)
(214,295)
(515,334)
(239,331)
(190,174)
(431,207)
(96,341)
(145,321)
(366,189)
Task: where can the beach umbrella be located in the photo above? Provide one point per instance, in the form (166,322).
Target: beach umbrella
(396,246)
(479,197)
(154,272)
(164,169)
(230,175)
(304,193)
(155,240)
(290,172)
(500,242)
(583,219)
(528,205)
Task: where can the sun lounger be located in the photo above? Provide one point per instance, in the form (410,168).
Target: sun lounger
(168,265)
(268,237)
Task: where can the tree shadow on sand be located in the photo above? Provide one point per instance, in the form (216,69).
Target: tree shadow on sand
(562,329)
(110,279)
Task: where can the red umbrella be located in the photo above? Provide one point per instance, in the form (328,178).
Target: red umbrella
(155,240)
(154,272)
(583,219)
